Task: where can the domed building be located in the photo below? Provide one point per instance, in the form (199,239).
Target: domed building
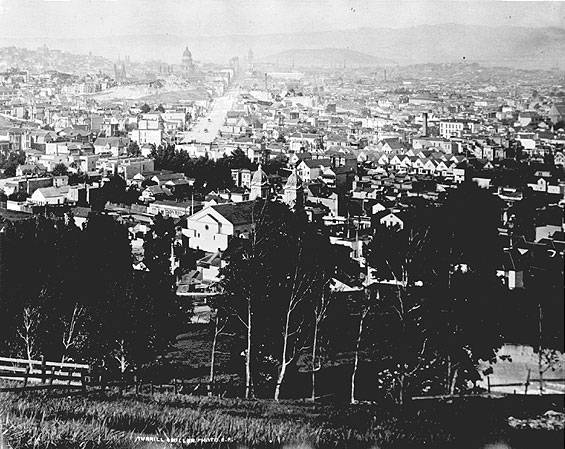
(259,184)
(187,62)
(293,194)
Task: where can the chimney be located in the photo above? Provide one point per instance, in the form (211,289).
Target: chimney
(425,126)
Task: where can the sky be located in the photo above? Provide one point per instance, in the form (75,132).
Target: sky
(105,18)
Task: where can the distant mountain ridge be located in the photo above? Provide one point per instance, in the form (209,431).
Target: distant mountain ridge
(324,57)
(504,45)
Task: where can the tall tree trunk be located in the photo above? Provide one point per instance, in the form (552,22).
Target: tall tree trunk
(356,361)
(248,375)
(453,381)
(120,357)
(314,348)
(284,363)
(401,382)
(213,357)
(27,332)
(448,375)
(70,335)
(280,379)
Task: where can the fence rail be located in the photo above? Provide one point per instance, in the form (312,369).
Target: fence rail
(527,384)
(49,374)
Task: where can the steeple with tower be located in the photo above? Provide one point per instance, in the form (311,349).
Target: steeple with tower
(259,184)
(293,194)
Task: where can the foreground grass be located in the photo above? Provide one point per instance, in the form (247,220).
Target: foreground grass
(100,422)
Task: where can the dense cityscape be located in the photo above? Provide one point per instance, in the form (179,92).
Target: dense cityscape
(298,249)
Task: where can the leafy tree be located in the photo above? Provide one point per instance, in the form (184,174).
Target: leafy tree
(238,159)
(60,170)
(160,108)
(114,190)
(145,108)
(444,281)
(133,149)
(11,162)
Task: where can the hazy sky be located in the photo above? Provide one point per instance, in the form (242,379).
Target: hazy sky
(101,18)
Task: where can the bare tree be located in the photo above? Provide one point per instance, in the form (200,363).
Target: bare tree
(220,324)
(252,256)
(120,355)
(410,357)
(366,305)
(28,331)
(301,284)
(320,314)
(71,334)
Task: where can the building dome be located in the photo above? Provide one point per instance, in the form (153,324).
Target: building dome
(259,177)
(187,53)
(294,181)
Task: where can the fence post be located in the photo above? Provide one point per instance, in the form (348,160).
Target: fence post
(52,376)
(43,369)
(82,380)
(26,376)
(488,384)
(527,384)
(136,384)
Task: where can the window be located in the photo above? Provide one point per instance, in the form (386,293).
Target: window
(206,227)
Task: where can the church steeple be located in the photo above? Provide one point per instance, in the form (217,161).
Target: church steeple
(259,184)
(293,194)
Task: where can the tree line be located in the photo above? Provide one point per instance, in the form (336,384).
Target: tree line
(72,294)
(298,316)
(422,314)
(210,175)
(427,304)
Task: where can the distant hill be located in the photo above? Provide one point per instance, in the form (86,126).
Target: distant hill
(504,45)
(324,57)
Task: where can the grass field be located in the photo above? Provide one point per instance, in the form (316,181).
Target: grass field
(98,421)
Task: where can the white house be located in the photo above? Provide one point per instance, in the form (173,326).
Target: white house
(310,169)
(51,195)
(391,220)
(211,228)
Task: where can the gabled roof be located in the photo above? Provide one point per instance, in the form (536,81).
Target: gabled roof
(393,143)
(236,213)
(53,192)
(314,163)
(164,177)
(112,141)
(157,190)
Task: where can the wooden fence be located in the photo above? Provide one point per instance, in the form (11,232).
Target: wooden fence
(529,385)
(42,374)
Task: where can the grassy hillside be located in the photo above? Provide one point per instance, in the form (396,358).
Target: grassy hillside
(98,422)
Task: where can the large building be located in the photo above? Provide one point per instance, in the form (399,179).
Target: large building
(456,128)
(150,129)
(212,228)
(187,62)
